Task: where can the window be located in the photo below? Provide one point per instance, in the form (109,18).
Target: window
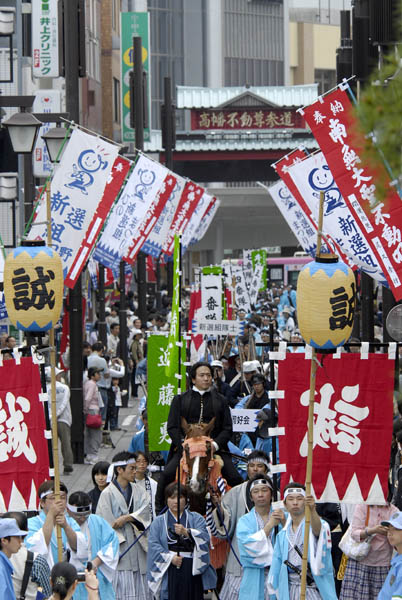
(326,79)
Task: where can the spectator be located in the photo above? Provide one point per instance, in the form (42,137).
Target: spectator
(63,579)
(99,478)
(10,543)
(113,340)
(92,401)
(64,418)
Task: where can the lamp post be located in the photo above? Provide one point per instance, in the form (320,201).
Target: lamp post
(54,139)
(23,130)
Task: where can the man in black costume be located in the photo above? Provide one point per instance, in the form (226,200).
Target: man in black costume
(199,404)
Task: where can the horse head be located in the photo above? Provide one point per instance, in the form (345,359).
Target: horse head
(198,454)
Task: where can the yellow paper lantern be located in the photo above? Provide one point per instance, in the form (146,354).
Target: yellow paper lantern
(33,286)
(326,302)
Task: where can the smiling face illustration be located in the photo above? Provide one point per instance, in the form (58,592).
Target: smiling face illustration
(321,179)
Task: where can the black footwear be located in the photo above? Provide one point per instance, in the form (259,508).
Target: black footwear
(68,470)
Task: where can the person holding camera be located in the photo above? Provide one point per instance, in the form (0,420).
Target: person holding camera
(64,581)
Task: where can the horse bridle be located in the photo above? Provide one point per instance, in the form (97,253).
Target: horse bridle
(208,449)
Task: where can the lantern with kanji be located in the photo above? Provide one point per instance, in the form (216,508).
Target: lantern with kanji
(326,302)
(33,286)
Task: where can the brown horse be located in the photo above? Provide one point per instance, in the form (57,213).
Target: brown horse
(199,470)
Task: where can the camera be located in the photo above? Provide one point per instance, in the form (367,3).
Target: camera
(81,574)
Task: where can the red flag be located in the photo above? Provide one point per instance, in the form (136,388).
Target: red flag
(187,204)
(118,173)
(353,411)
(151,217)
(195,305)
(333,124)
(24,454)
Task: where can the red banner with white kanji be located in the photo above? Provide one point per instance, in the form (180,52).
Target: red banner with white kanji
(353,412)
(333,124)
(24,458)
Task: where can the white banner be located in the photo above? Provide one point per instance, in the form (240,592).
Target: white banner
(129,211)
(46,101)
(76,191)
(206,221)
(247,267)
(195,220)
(312,176)
(219,327)
(242,298)
(211,296)
(255,283)
(160,231)
(45,29)
(244,419)
(294,216)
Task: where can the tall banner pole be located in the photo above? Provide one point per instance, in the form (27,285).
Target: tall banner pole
(55,439)
(179,385)
(310,428)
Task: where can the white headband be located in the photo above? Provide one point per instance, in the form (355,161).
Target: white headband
(79,509)
(119,463)
(44,494)
(294,491)
(263,482)
(259,459)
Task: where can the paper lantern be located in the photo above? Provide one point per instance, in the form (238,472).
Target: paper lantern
(33,286)
(326,302)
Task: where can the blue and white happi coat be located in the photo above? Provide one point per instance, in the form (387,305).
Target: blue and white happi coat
(160,557)
(100,541)
(319,558)
(35,540)
(256,552)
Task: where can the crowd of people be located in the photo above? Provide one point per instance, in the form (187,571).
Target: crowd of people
(135,534)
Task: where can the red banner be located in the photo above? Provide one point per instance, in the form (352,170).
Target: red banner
(117,175)
(24,459)
(353,412)
(246,118)
(151,217)
(333,124)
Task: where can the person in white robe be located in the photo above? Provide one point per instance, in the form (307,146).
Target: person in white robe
(255,535)
(125,506)
(230,507)
(143,479)
(285,574)
(41,536)
(101,550)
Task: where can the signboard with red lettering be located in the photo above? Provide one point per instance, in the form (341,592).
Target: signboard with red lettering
(353,410)
(24,459)
(333,124)
(246,118)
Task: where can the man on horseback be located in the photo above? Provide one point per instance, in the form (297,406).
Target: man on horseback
(198,405)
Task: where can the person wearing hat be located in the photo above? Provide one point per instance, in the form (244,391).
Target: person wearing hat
(64,418)
(125,506)
(286,322)
(229,508)
(392,588)
(219,380)
(255,534)
(10,543)
(242,387)
(101,546)
(285,573)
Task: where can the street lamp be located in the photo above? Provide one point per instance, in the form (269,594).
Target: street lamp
(22,128)
(54,140)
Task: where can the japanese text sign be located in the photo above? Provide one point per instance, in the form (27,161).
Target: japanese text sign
(45,38)
(242,299)
(211,293)
(76,190)
(250,118)
(24,459)
(244,419)
(161,390)
(353,410)
(174,333)
(260,257)
(219,327)
(206,220)
(199,212)
(188,202)
(333,124)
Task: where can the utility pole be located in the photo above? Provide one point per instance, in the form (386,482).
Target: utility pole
(168,143)
(102,331)
(72,73)
(138,102)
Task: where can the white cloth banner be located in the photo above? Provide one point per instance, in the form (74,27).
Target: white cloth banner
(76,190)
(294,216)
(211,297)
(312,176)
(129,211)
(195,220)
(255,283)
(220,327)
(206,221)
(247,267)
(242,298)
(244,419)
(160,231)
